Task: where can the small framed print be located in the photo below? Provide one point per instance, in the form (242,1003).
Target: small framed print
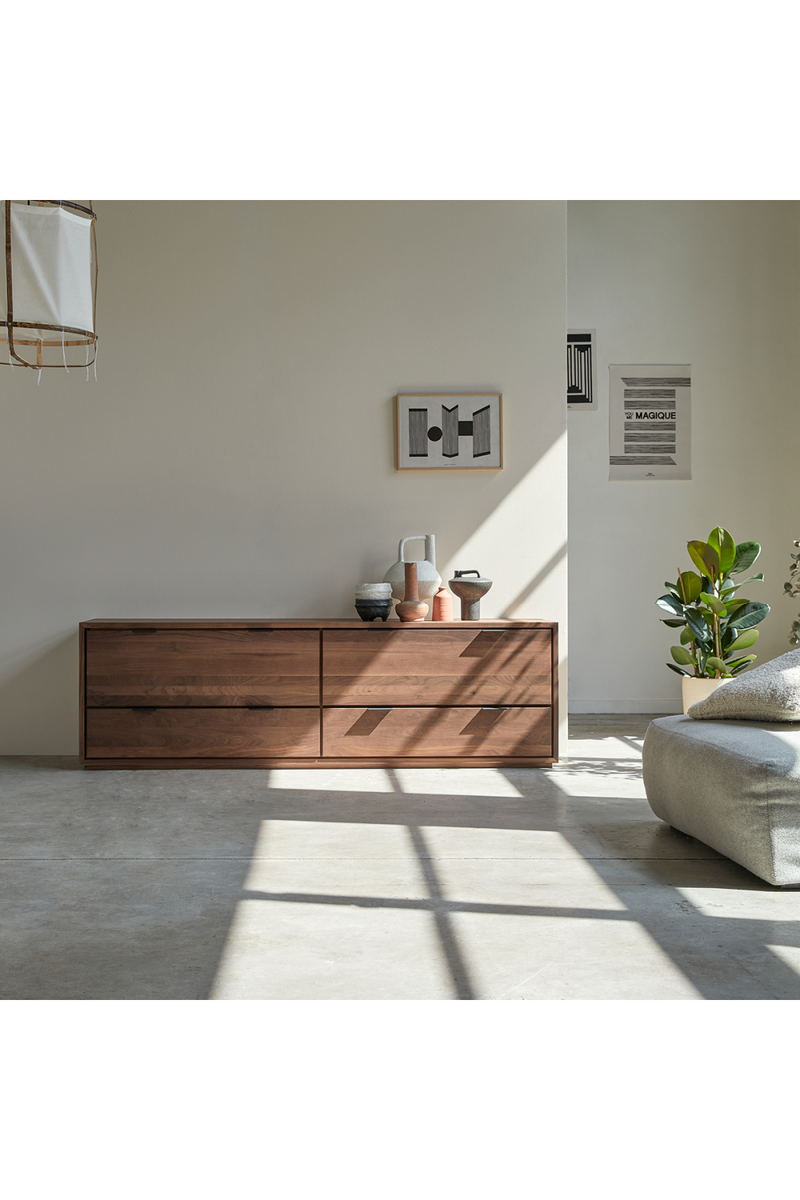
(458,431)
(581,369)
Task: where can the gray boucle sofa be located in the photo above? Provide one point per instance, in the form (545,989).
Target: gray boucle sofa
(735,785)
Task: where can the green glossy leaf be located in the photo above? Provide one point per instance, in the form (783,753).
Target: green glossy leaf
(759,578)
(748,638)
(741,663)
(678,670)
(721,541)
(715,664)
(715,605)
(734,605)
(751,614)
(670,604)
(686,637)
(705,558)
(746,555)
(692,585)
(672,623)
(681,656)
(694,619)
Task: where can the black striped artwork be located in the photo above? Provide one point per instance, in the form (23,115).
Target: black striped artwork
(481,433)
(450,430)
(418,433)
(650,422)
(580,368)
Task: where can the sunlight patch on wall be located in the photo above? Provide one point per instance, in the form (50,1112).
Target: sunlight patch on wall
(520,537)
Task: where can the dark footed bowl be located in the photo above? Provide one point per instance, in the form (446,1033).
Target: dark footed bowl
(370,610)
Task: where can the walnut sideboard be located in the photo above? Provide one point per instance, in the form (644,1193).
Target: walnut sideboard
(318,693)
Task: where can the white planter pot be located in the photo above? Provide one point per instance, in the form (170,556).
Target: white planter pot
(695,690)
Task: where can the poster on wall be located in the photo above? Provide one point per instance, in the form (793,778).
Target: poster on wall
(581,369)
(450,432)
(650,422)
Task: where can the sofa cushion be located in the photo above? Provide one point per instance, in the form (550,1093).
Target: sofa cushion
(734,785)
(770,692)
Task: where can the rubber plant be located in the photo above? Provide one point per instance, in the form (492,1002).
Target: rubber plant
(792,588)
(715,624)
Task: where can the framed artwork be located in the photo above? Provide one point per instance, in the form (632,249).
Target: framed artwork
(458,431)
(650,421)
(581,369)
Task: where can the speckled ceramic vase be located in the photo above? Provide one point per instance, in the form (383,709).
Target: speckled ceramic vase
(470,592)
(428,578)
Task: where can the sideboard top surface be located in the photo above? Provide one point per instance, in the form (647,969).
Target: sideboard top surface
(308,623)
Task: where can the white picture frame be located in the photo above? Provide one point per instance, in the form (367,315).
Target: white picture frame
(449,431)
(650,421)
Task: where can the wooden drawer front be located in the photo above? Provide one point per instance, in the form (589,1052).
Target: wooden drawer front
(202,733)
(436,666)
(431,732)
(202,667)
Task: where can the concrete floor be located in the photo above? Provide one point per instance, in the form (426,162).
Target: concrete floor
(512,884)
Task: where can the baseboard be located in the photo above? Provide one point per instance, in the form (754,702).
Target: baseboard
(624,706)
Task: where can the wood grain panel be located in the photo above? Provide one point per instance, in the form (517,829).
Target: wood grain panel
(202,667)
(202,733)
(428,732)
(437,666)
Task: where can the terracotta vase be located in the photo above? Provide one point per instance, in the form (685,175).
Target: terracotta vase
(411,607)
(442,605)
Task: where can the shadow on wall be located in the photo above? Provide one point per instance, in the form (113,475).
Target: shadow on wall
(476,516)
(39,692)
(511,608)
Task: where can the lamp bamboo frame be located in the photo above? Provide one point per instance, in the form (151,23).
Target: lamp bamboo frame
(81,337)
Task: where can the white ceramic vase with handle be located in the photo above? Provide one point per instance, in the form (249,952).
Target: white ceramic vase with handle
(428,578)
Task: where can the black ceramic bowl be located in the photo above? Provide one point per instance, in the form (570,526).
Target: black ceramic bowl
(370,610)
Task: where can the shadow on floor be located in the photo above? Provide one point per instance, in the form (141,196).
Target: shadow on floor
(125,885)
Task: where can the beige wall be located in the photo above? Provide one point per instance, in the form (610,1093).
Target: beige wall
(714,284)
(235,457)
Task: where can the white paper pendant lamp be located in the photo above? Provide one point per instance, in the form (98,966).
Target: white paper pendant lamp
(47,300)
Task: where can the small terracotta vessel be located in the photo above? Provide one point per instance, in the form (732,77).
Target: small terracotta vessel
(411,607)
(442,605)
